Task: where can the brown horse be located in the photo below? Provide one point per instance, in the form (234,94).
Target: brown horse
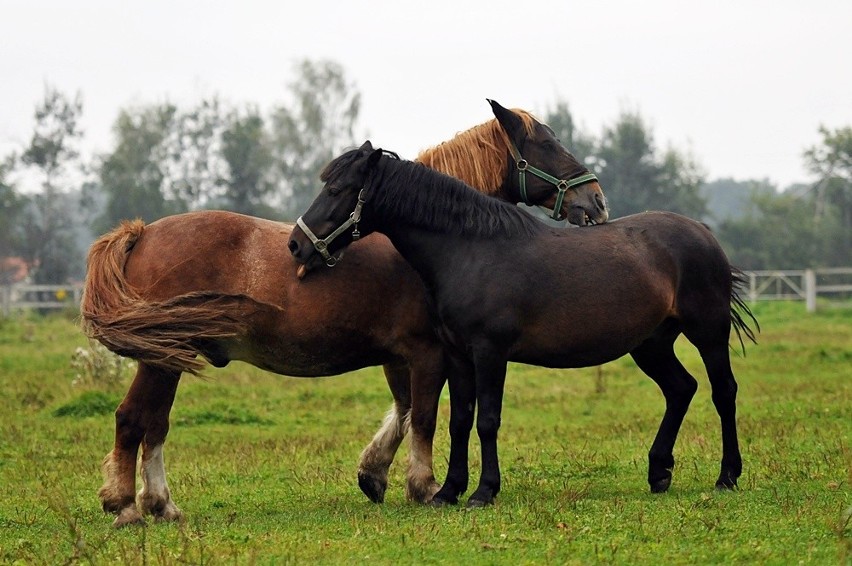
(562,298)
(221,285)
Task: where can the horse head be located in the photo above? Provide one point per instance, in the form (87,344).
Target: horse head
(547,174)
(336,211)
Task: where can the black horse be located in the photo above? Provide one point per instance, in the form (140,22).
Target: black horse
(503,286)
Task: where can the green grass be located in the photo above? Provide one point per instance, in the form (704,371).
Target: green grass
(264,466)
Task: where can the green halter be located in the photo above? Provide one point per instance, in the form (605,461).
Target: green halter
(561,185)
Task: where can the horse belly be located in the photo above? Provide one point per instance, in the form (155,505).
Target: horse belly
(567,343)
(572,355)
(312,355)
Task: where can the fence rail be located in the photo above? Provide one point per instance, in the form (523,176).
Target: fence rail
(766,285)
(800,285)
(24,296)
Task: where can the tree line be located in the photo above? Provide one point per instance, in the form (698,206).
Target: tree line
(167,159)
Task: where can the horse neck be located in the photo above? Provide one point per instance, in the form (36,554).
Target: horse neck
(479,157)
(432,219)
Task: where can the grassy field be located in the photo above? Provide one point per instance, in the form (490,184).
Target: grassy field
(264,466)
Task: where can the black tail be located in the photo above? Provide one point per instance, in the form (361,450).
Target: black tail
(740,310)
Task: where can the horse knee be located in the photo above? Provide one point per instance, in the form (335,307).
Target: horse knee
(724,394)
(685,388)
(461,421)
(487,426)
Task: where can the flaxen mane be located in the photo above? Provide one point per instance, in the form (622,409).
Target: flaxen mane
(476,155)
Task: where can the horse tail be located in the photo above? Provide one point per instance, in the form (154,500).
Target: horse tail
(164,334)
(740,311)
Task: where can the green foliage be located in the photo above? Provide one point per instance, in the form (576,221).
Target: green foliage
(831,162)
(731,200)
(88,404)
(246,149)
(634,176)
(636,179)
(168,160)
(780,233)
(132,175)
(266,471)
(45,224)
(561,121)
(11,207)
(313,129)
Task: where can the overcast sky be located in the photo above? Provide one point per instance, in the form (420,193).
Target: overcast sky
(742,85)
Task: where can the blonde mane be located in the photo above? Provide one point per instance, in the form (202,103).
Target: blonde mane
(476,156)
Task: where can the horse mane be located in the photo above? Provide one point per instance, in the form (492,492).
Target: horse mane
(429,199)
(476,155)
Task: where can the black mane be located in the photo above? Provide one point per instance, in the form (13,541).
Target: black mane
(428,199)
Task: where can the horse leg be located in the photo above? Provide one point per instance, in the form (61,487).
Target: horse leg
(377,456)
(118,493)
(490,381)
(462,401)
(656,358)
(709,330)
(155,497)
(724,386)
(427,380)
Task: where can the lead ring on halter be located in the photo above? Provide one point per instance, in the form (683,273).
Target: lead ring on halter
(561,185)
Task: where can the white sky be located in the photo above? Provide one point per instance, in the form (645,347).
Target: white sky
(743,85)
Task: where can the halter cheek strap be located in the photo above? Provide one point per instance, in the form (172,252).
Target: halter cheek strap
(321,244)
(561,185)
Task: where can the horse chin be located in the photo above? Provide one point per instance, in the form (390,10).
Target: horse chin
(577,215)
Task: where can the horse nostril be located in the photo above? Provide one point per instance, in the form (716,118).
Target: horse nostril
(294,247)
(599,198)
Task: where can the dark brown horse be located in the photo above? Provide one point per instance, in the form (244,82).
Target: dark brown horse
(503,287)
(221,285)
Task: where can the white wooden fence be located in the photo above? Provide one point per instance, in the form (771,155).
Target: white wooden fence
(778,285)
(25,296)
(800,285)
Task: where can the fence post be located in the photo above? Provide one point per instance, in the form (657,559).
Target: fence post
(6,300)
(752,287)
(810,290)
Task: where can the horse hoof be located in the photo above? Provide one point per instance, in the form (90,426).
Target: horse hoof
(661,486)
(420,494)
(442,500)
(372,488)
(128,516)
(727,479)
(170,513)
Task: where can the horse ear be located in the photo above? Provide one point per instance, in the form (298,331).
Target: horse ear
(366,146)
(510,121)
(374,158)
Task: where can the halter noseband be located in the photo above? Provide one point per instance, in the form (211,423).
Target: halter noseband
(561,185)
(321,244)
